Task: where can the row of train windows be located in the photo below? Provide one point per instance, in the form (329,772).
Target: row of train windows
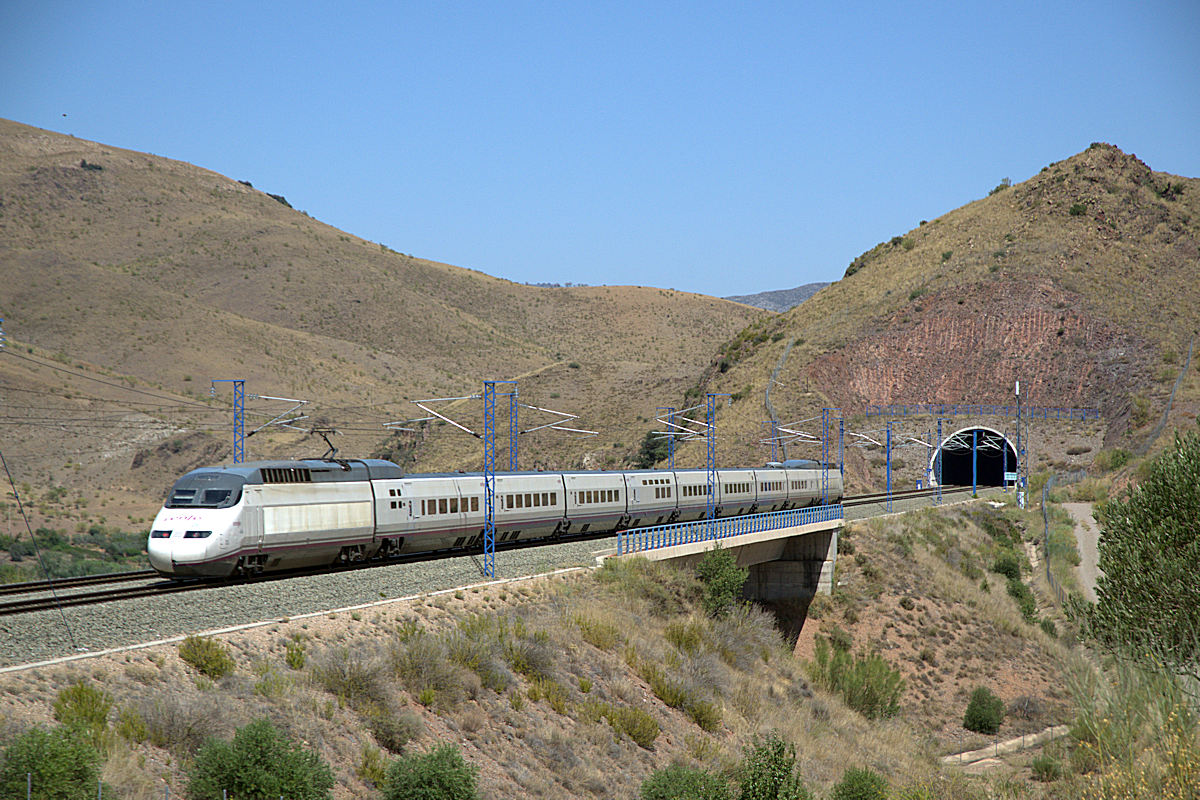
(798,485)
(694,491)
(600,496)
(450,505)
(531,500)
(772,486)
(655,481)
(661,492)
(737,488)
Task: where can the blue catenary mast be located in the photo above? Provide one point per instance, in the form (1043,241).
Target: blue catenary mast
(239,415)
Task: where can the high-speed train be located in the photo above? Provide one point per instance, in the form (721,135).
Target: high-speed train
(271,515)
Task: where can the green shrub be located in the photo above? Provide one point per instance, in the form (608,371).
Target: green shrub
(207,656)
(294,657)
(867,683)
(62,763)
(1049,629)
(635,723)
(131,727)
(985,712)
(372,768)
(392,728)
(1025,601)
(704,713)
(84,708)
(1109,460)
(722,580)
(1008,565)
(768,772)
(860,784)
(1078,209)
(1046,768)
(679,782)
(440,774)
(259,762)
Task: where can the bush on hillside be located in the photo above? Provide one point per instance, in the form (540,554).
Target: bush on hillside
(860,784)
(440,774)
(259,762)
(768,772)
(679,782)
(985,712)
(867,683)
(84,708)
(722,580)
(206,656)
(61,763)
(654,448)
(1008,565)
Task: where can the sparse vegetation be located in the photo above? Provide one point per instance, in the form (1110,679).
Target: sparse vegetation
(207,656)
(866,683)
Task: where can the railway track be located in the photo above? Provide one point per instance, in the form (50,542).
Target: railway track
(48,595)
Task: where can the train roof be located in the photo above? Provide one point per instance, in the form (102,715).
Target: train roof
(321,470)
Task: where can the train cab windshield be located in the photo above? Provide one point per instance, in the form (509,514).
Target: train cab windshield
(206,490)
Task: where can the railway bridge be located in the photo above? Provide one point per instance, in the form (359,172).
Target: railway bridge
(790,555)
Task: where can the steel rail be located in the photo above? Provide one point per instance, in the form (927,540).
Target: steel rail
(167,586)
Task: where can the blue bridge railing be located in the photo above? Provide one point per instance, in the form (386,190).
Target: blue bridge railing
(961,410)
(638,540)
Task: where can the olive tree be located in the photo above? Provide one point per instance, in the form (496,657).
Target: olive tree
(1148,599)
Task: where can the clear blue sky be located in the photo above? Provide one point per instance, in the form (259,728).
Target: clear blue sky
(714,147)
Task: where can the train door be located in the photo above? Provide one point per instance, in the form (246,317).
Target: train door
(252,519)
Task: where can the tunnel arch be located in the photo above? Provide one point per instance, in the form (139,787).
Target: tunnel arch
(955,454)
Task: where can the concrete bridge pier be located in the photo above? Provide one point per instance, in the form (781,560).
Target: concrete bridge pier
(803,569)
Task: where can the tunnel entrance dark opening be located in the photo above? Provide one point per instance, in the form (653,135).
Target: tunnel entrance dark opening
(989,459)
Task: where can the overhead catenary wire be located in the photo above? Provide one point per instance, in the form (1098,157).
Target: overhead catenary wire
(38,550)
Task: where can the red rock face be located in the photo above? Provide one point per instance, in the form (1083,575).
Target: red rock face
(969,346)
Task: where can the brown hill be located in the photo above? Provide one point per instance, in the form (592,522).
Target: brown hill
(162,275)
(1083,282)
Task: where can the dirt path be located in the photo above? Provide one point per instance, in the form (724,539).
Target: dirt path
(1086,535)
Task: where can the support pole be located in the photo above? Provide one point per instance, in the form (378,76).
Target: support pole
(842,451)
(239,415)
(1004,447)
(825,456)
(974,461)
(512,430)
(938,462)
(889,466)
(489,479)
(710,418)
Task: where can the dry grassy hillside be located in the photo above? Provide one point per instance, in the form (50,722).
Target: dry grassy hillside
(1084,282)
(164,275)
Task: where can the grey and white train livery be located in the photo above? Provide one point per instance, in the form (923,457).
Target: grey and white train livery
(273,515)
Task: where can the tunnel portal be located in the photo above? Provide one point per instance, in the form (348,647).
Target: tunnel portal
(993,454)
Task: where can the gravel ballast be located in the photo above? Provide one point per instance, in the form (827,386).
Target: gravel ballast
(44,635)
